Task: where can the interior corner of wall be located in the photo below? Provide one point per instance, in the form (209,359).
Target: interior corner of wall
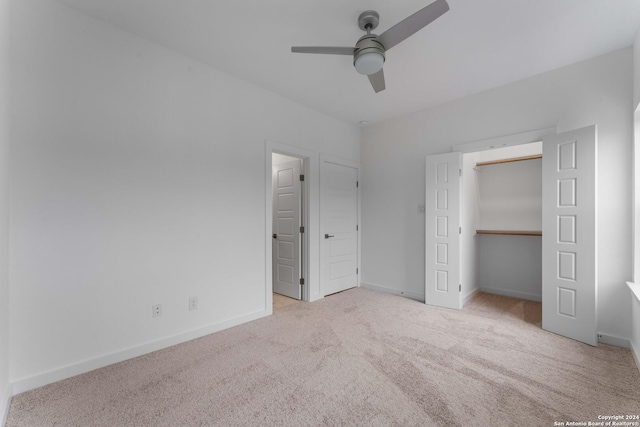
(635,352)
(5,403)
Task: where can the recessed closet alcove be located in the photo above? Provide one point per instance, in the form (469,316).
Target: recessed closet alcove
(501,217)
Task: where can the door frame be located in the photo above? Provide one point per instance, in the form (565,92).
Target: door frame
(494,143)
(511,140)
(347,163)
(505,141)
(292,289)
(310,186)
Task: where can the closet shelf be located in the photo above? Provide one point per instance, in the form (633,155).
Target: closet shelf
(515,159)
(510,232)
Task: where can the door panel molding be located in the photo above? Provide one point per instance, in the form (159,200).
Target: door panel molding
(311,159)
(326,159)
(569,234)
(287,238)
(443,202)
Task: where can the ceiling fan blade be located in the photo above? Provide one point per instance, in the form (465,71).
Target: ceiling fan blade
(411,25)
(327,50)
(377,81)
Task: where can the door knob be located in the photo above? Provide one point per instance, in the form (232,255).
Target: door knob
(327,236)
(275,236)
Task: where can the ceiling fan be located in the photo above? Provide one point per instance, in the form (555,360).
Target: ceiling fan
(369,52)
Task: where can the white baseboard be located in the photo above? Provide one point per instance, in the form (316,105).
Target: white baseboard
(611,340)
(512,294)
(406,294)
(636,354)
(5,402)
(316,297)
(72,370)
(470,295)
(392,291)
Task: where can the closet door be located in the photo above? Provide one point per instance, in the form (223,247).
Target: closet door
(569,235)
(442,230)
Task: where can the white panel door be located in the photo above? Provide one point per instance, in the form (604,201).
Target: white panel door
(442,232)
(338,227)
(286,229)
(569,235)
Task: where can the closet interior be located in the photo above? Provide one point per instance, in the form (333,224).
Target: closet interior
(501,221)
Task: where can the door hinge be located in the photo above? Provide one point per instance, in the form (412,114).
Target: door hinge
(357,184)
(301,177)
(460,287)
(302,281)
(356,271)
(302,229)
(459,230)
(460,172)
(356,227)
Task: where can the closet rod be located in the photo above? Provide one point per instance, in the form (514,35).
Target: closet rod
(515,159)
(510,232)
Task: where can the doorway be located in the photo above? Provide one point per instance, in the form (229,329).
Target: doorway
(569,229)
(288,227)
(313,245)
(502,221)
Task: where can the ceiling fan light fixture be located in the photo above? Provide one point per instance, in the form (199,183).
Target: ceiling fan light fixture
(369,55)
(369,62)
(370,50)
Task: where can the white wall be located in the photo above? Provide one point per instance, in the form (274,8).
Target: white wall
(636,155)
(594,91)
(636,195)
(138,179)
(636,70)
(510,265)
(469,217)
(635,336)
(636,109)
(635,303)
(510,196)
(4,208)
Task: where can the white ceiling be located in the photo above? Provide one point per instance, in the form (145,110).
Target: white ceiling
(475,46)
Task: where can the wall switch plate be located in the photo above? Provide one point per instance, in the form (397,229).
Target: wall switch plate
(156,310)
(193,303)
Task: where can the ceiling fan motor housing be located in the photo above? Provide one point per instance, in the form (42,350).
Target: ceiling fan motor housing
(368,20)
(366,45)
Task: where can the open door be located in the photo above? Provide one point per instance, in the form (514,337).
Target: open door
(569,235)
(442,230)
(338,227)
(286,229)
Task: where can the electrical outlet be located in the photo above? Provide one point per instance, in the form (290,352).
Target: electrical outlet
(156,310)
(193,303)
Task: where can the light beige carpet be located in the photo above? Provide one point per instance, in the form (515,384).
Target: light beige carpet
(280,301)
(355,358)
